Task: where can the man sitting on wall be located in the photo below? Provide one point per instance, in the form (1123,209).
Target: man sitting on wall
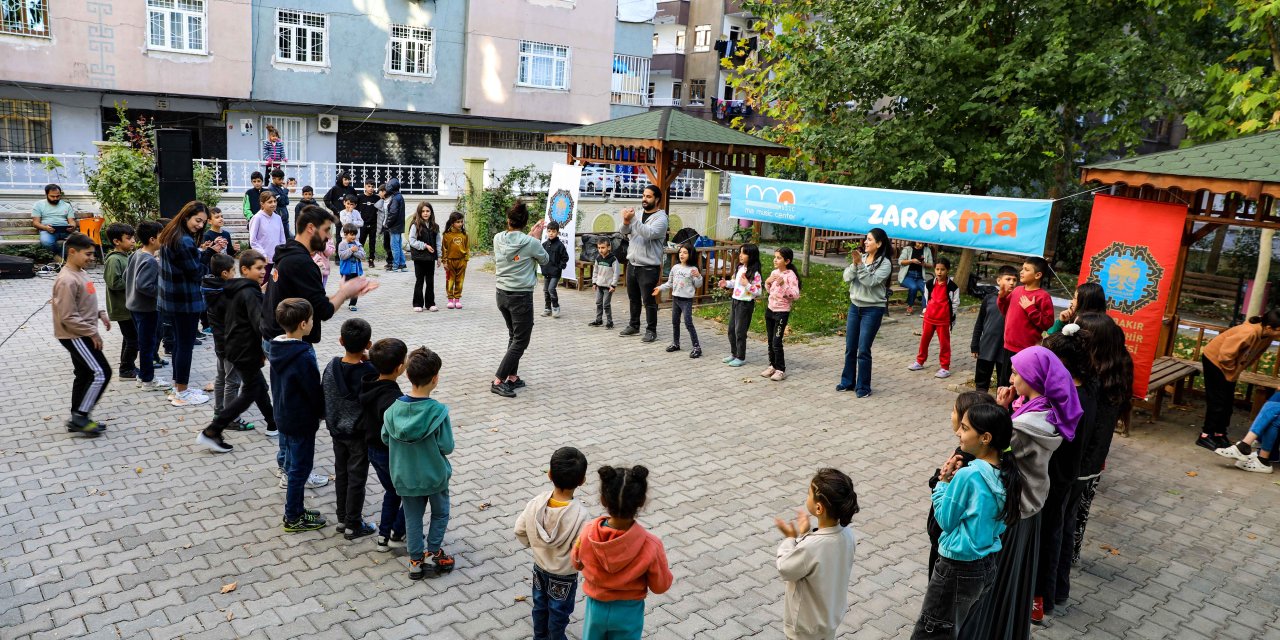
(53,218)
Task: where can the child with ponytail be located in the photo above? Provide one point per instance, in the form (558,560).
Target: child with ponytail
(973,504)
(816,563)
(783,286)
(964,402)
(1224,359)
(746,288)
(620,561)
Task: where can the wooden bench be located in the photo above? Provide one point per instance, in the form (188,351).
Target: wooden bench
(1165,371)
(1209,288)
(825,242)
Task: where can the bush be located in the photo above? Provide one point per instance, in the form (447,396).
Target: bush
(488,214)
(125,182)
(36,252)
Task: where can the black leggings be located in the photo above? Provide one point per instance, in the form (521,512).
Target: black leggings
(739,321)
(679,307)
(424,273)
(1220,399)
(775,324)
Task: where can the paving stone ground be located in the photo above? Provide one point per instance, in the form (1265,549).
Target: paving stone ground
(133,535)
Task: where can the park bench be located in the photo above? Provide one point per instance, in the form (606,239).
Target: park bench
(1165,371)
(825,241)
(1210,288)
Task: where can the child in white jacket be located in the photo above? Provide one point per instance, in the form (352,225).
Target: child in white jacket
(550,525)
(816,564)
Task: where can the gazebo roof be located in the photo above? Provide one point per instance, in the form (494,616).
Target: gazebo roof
(1249,165)
(667,125)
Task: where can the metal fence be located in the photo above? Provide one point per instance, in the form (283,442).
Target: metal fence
(237,174)
(35,170)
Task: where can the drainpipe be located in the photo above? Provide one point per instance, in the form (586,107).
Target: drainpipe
(466,59)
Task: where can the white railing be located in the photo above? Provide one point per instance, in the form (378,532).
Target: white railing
(664,102)
(598,184)
(35,170)
(416,179)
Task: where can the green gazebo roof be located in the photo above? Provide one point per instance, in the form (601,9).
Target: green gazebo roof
(1249,165)
(667,125)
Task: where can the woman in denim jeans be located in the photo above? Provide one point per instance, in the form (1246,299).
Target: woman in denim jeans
(868,278)
(915,260)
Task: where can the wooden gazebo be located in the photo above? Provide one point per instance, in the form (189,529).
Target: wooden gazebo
(664,142)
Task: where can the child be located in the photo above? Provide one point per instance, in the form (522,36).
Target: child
(1028,309)
(915,260)
(226,383)
(941,298)
(783,286)
(419,437)
(1262,433)
(141,284)
(973,502)
(456,253)
(1090,297)
(746,288)
(335,197)
(240,316)
(278,189)
(558,260)
(816,563)
(964,402)
(308,199)
(424,250)
(550,524)
(348,215)
(381,206)
(120,235)
(987,346)
(351,255)
(620,561)
(377,393)
(219,238)
(75,325)
(295,385)
(253,196)
(266,229)
(683,283)
(366,203)
(604,275)
(395,223)
(342,411)
(1224,359)
(322,259)
(273,152)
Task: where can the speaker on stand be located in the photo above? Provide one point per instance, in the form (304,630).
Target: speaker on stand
(175,170)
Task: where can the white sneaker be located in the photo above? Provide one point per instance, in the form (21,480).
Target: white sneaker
(417,309)
(211,444)
(1253,464)
(915,366)
(555,312)
(942,373)
(272,433)
(1231,452)
(284,482)
(188,398)
(317,481)
(156,384)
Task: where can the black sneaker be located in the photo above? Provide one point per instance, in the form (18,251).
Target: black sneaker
(518,383)
(89,428)
(1209,443)
(397,537)
(595,323)
(128,375)
(673,347)
(649,336)
(608,325)
(696,353)
(160,362)
(1222,441)
(308,522)
(384,543)
(365,529)
(629,331)
(503,389)
(341,528)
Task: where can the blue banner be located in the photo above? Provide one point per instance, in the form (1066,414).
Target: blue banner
(1006,225)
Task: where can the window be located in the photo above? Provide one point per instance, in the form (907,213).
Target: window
(697,92)
(676,90)
(501,139)
(630,80)
(24,127)
(702,37)
(24,17)
(652,89)
(410,51)
(680,41)
(293,131)
(735,32)
(302,37)
(175,25)
(545,66)
(655,42)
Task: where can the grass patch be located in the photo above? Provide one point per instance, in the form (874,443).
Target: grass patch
(821,310)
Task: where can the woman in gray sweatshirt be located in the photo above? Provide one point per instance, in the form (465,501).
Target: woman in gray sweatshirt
(868,278)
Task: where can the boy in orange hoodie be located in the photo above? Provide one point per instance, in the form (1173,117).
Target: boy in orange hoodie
(620,561)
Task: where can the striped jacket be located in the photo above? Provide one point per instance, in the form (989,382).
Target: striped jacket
(180,271)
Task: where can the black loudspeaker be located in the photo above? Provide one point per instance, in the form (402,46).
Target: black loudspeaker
(175,169)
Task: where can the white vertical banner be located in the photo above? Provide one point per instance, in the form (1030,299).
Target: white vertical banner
(562,206)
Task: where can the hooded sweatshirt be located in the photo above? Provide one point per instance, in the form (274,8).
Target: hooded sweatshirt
(418,436)
(620,565)
(142,282)
(241,314)
(1034,441)
(514,256)
(816,567)
(295,387)
(868,282)
(117,265)
(551,532)
(334,196)
(342,410)
(968,510)
(211,287)
(395,207)
(376,396)
(295,276)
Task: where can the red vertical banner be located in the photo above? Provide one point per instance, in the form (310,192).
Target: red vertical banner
(1132,251)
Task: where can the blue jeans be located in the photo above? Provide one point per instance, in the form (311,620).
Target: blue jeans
(859,333)
(49,239)
(915,287)
(553,597)
(397,252)
(392,520)
(147,324)
(613,620)
(414,508)
(1267,425)
(185,328)
(299,457)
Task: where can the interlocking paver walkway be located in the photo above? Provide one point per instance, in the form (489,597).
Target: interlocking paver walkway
(134,534)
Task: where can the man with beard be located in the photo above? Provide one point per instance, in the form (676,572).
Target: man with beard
(648,240)
(295,275)
(53,218)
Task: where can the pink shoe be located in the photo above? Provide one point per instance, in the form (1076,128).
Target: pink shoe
(457,304)
(449,305)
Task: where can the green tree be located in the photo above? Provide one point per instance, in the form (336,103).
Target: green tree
(124,181)
(491,204)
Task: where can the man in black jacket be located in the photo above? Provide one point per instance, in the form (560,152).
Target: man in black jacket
(295,275)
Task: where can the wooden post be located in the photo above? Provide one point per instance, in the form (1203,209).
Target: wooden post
(1169,328)
(964,269)
(1262,273)
(808,244)
(711,189)
(474,171)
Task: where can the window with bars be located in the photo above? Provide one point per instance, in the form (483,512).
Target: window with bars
(630,80)
(293,132)
(302,37)
(545,66)
(176,25)
(24,17)
(500,139)
(409,51)
(25,127)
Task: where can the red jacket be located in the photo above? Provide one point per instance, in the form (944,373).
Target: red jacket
(1024,327)
(620,565)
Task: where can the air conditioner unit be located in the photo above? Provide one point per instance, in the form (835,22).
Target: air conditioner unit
(328,124)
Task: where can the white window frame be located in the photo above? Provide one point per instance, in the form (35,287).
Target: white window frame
(33,22)
(695,100)
(702,38)
(680,41)
(287,126)
(188,20)
(409,39)
(630,89)
(299,26)
(559,57)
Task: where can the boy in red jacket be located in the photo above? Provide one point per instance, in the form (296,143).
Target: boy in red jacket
(1028,309)
(941,298)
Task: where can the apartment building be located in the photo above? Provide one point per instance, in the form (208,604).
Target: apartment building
(690,38)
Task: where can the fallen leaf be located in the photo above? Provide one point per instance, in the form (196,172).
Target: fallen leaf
(48,418)
(1109,549)
(494,430)
(188,546)
(521,598)
(138,470)
(1175,492)
(165,467)
(230,615)
(1192,474)
(485,505)
(1253,537)
(228,588)
(181,418)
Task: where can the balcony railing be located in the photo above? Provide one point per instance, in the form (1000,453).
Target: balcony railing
(416,179)
(664,102)
(35,170)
